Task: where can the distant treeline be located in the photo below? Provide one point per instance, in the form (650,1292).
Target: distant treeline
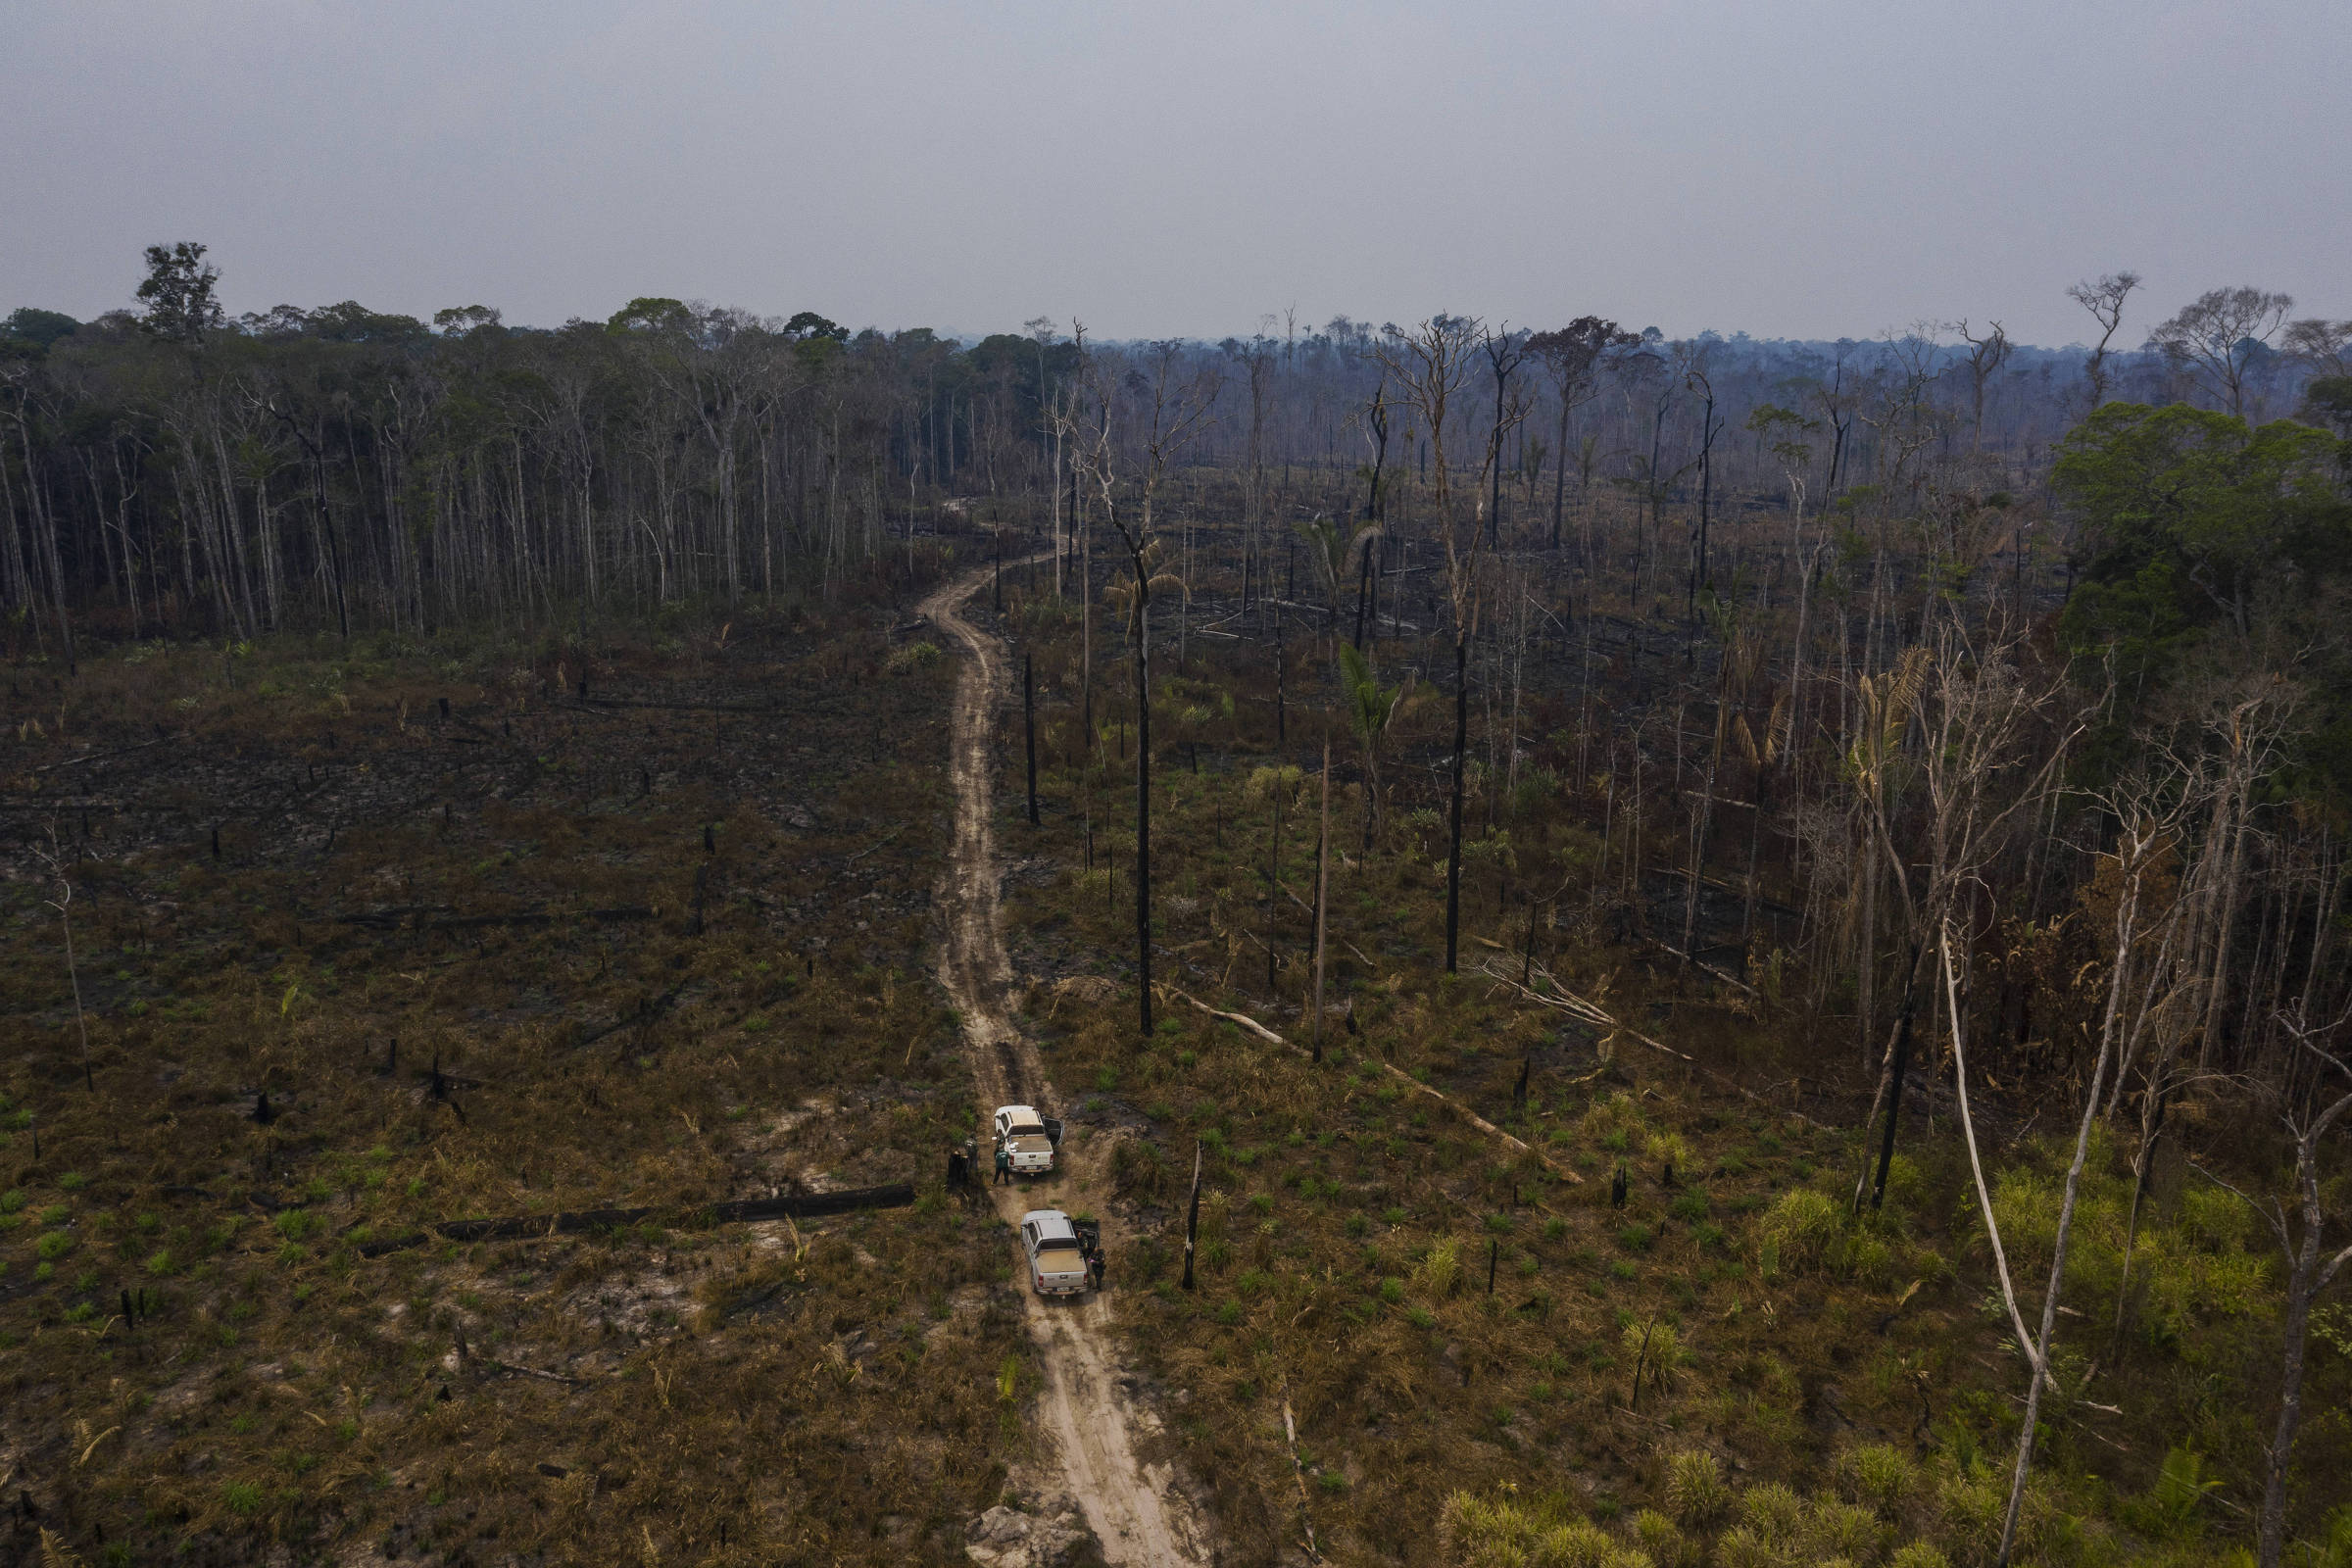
(171,471)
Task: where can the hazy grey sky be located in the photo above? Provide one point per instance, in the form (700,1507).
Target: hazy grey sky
(1774,166)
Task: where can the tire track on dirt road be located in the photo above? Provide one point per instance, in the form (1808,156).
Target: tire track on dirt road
(1135,1510)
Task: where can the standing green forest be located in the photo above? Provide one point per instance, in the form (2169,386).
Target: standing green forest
(1819,866)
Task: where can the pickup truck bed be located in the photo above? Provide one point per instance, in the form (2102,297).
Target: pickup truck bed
(1027,1138)
(1059,1271)
(1030,1151)
(1055,1252)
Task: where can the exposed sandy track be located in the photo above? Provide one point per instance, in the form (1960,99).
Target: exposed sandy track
(1135,1512)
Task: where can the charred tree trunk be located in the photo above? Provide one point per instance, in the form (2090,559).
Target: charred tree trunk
(1143,797)
(1029,727)
(1461,747)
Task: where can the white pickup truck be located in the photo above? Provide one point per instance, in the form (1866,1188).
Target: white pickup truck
(1027,1138)
(1056,1253)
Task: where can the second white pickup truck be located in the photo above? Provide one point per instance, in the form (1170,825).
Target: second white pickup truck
(1027,1138)
(1056,1253)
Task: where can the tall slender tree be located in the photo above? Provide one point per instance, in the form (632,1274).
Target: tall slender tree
(1573,356)
(1432,364)
(1166,408)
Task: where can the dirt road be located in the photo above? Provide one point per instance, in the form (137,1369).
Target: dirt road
(1133,1508)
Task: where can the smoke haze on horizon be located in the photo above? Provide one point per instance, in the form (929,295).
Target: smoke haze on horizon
(1815,169)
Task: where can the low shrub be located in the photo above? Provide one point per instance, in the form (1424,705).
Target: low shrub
(1668,1155)
(1440,1269)
(1667,1545)
(1835,1529)
(1695,1491)
(1774,1512)
(1917,1555)
(1802,1224)
(1878,1474)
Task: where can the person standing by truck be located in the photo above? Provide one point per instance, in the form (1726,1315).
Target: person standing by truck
(1004,1163)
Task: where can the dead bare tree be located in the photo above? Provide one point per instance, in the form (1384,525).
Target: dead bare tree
(54,858)
(2310,1267)
(1986,356)
(1735,671)
(1431,362)
(2148,994)
(1710,426)
(1257,363)
(2103,297)
(2036,1348)
(2216,337)
(1053,420)
(1170,409)
(2323,344)
(1980,723)
(2206,780)
(1505,351)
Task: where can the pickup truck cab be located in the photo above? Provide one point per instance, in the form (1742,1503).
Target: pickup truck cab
(1027,1137)
(1057,1256)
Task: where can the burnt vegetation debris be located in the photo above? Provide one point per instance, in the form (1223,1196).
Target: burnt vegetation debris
(1746,939)
(317,1058)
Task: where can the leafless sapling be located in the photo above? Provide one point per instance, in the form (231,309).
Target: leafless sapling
(55,859)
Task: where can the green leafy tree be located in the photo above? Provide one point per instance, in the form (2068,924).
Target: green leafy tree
(42,327)
(2211,548)
(354,322)
(179,293)
(464,320)
(653,314)
(809,324)
(2328,398)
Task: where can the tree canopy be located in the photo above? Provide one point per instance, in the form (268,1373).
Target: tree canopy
(2211,549)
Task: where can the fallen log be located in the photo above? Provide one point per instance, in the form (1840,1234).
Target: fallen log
(390,918)
(800,1205)
(1706,968)
(877,844)
(812,1205)
(473,922)
(531,1372)
(442,917)
(1560,997)
(1407,1079)
(100,757)
(674,707)
(645,1014)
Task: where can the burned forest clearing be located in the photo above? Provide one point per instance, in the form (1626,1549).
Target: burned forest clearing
(1595,952)
(369,944)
